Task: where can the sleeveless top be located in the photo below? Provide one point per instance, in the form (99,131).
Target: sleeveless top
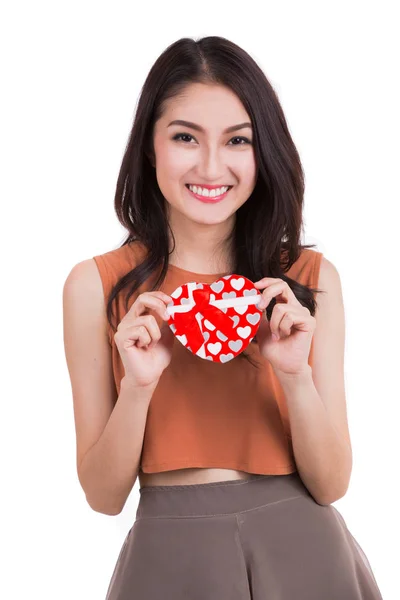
(202,413)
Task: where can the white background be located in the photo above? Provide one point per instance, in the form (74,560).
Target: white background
(72,74)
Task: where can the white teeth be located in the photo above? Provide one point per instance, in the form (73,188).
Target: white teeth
(208,193)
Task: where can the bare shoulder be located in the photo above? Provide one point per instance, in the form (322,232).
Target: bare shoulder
(328,275)
(84,278)
(330,306)
(88,354)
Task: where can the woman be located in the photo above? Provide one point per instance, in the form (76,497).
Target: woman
(238,461)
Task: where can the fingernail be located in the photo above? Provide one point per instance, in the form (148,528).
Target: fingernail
(275,337)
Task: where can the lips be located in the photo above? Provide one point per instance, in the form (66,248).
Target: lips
(208,199)
(208,187)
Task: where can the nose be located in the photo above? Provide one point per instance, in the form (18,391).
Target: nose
(211,167)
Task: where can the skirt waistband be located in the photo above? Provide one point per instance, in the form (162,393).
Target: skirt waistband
(218,498)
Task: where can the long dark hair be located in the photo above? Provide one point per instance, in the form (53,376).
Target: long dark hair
(268,225)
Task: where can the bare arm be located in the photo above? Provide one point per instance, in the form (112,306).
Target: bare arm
(108,471)
(109,429)
(316,400)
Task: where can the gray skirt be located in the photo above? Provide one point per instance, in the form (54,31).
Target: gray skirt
(263,538)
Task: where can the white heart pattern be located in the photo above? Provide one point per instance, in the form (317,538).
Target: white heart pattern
(246,319)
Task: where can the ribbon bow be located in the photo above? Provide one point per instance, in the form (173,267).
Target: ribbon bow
(186,323)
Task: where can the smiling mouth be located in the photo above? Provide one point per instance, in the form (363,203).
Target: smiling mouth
(209,189)
(209,199)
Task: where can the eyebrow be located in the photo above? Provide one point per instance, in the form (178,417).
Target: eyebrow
(198,128)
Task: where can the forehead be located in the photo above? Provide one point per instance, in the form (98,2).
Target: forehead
(208,106)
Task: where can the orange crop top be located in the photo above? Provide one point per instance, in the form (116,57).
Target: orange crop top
(203,413)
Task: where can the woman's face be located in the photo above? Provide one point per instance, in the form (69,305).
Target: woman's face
(210,156)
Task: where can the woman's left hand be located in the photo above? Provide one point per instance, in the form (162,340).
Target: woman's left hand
(291,322)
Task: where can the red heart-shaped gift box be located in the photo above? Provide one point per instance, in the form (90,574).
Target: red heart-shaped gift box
(215,321)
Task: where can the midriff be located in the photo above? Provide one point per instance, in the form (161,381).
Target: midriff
(190,476)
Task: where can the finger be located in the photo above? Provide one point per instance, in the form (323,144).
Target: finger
(277,288)
(144,338)
(145,329)
(133,335)
(148,301)
(279,328)
(286,318)
(286,324)
(273,290)
(151,325)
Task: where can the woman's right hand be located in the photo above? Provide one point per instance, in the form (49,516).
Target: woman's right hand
(145,349)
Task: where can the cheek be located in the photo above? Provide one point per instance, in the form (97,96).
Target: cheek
(172,166)
(247,171)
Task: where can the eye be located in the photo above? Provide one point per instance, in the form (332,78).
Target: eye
(244,139)
(178,137)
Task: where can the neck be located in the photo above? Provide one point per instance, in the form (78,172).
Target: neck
(200,247)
